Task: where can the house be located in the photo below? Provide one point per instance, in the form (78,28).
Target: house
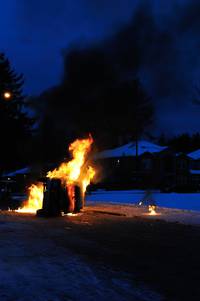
(195,167)
(131,165)
(18,180)
(23,171)
(182,170)
(148,165)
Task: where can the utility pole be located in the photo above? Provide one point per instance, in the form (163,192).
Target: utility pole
(136,157)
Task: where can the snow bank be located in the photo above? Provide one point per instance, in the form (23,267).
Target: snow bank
(187,201)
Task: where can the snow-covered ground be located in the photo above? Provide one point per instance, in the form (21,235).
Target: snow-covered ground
(187,201)
(36,267)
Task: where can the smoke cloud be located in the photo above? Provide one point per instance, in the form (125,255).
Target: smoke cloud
(158,40)
(163,48)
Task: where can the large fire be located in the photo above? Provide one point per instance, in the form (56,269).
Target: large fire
(71,173)
(74,171)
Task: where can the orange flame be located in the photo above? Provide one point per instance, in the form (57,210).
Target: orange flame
(88,176)
(35,199)
(71,194)
(73,172)
(152,210)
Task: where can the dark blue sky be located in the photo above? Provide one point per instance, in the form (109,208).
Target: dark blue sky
(35,33)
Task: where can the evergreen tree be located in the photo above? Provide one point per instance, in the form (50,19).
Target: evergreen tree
(15,126)
(195,141)
(181,143)
(162,140)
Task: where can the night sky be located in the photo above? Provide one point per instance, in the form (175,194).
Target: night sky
(35,34)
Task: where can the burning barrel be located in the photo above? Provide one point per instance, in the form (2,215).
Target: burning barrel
(78,197)
(64,187)
(59,199)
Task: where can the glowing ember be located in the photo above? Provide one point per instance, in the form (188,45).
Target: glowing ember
(73,172)
(152,210)
(35,199)
(71,214)
(71,194)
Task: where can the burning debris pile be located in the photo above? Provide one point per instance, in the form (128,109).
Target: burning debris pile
(65,187)
(149,202)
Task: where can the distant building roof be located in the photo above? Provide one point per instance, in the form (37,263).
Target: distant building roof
(17,172)
(195,171)
(130,150)
(181,154)
(195,155)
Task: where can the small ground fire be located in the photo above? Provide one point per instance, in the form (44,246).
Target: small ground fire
(35,199)
(72,174)
(152,210)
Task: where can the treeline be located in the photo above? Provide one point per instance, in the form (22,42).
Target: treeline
(185,143)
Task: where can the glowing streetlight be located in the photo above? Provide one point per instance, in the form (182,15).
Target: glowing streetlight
(7,95)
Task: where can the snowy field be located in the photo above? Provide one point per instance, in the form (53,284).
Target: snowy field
(187,201)
(37,265)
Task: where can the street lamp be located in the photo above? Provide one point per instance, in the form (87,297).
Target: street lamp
(7,95)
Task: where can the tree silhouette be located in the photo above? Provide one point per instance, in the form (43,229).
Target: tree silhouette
(15,126)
